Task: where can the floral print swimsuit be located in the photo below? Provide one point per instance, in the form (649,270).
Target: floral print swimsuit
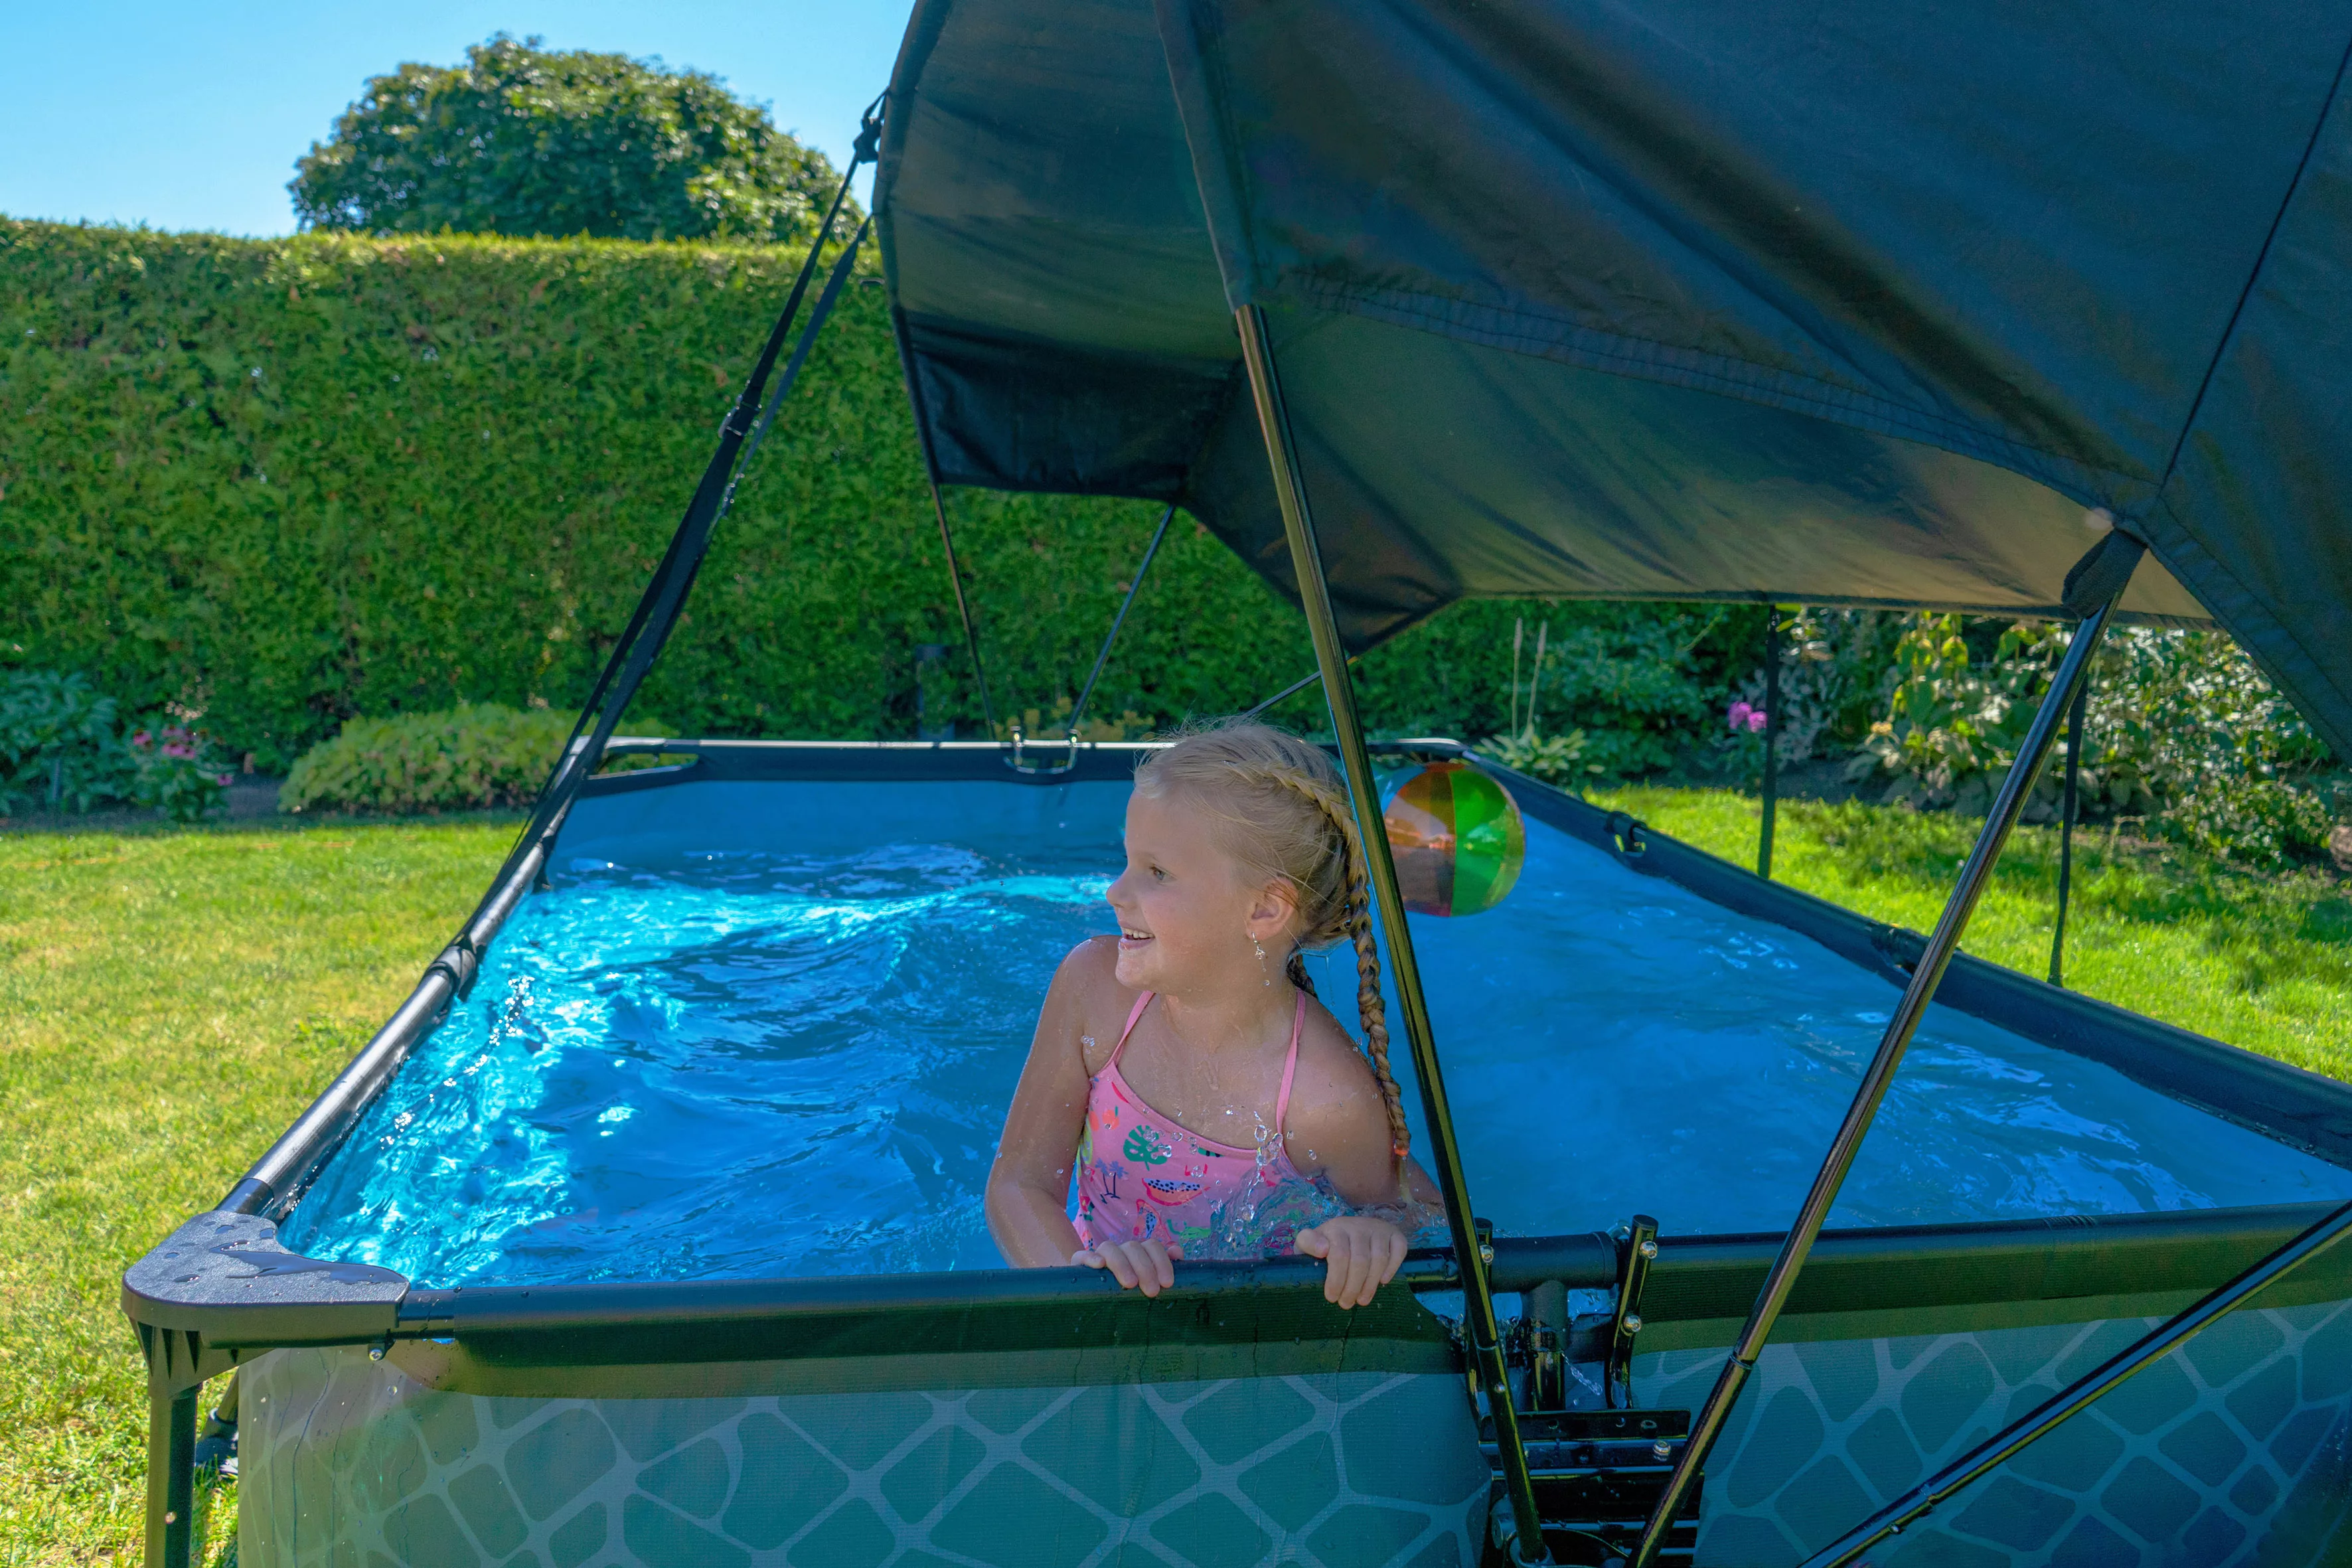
(1140,1175)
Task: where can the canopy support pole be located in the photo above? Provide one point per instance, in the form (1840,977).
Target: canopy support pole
(2066,809)
(1331,659)
(2078,1395)
(1135,586)
(1771,740)
(2093,589)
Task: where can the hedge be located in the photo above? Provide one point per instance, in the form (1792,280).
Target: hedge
(283,483)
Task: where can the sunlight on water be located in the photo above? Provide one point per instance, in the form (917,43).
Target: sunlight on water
(792,1056)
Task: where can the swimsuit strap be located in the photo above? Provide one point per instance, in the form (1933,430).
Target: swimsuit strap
(1289,1067)
(1141,1004)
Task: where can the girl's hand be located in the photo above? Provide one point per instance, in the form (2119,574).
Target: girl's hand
(1360,1256)
(1148,1265)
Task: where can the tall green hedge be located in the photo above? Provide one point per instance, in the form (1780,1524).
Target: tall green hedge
(286,482)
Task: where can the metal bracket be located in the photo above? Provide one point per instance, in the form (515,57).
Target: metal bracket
(1627,830)
(1016,758)
(1635,1253)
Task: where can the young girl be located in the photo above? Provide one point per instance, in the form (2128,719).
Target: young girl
(1186,1067)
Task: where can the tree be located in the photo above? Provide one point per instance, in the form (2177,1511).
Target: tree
(525,141)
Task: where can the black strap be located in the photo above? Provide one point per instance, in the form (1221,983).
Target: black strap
(1078,710)
(2101,574)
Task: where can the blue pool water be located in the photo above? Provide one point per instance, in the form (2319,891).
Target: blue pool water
(772,1029)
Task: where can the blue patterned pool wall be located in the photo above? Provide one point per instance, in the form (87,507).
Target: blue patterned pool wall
(352,1461)
(2233,1453)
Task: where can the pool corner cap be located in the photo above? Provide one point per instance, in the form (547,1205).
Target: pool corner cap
(223,1277)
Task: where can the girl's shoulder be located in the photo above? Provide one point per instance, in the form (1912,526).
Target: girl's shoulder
(1087,989)
(1334,1083)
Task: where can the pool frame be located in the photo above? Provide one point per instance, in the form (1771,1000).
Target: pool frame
(221,1291)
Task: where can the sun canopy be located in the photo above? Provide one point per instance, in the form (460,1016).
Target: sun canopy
(1875,305)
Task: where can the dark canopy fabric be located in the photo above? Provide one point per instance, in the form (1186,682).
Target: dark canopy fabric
(1682,299)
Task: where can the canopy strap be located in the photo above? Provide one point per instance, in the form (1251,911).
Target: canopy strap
(962,603)
(2066,811)
(1771,740)
(1331,660)
(1135,585)
(2107,568)
(655,616)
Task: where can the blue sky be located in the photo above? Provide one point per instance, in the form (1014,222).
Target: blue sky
(190,116)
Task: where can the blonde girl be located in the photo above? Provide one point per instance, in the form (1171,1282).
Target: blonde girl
(1184,1067)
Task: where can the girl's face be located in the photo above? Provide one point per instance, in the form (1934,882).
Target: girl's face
(1187,915)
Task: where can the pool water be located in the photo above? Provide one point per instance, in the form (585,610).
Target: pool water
(764,1030)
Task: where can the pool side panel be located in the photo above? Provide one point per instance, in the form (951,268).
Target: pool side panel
(2235,1452)
(352,1460)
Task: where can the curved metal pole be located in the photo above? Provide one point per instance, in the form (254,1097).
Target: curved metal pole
(2045,1417)
(1331,658)
(2110,563)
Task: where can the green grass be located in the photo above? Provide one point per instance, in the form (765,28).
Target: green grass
(169,1000)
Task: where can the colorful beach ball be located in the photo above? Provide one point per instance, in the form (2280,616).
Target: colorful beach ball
(1457,839)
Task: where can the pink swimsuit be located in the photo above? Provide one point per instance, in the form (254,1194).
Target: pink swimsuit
(1142,1176)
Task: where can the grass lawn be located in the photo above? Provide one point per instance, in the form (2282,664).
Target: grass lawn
(169,1000)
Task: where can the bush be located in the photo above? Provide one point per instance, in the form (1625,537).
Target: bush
(521,140)
(288,482)
(2183,725)
(474,756)
(177,770)
(2181,732)
(1637,682)
(60,745)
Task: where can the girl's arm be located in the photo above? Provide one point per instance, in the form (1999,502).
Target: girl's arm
(1343,1131)
(1029,1186)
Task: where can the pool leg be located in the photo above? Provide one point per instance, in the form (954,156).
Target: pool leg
(171,1475)
(178,1363)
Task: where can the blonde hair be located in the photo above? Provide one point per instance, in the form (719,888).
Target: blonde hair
(1281,810)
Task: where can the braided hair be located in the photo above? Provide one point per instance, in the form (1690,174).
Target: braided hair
(1279,808)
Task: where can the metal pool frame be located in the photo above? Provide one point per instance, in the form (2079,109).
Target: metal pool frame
(221,1289)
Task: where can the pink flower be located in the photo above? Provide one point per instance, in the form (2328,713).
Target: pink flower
(140,740)
(225,778)
(1757,720)
(1739,715)
(178,748)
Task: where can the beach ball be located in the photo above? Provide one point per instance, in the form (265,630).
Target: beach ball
(1457,839)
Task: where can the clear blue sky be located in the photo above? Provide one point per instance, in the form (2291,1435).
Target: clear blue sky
(187,116)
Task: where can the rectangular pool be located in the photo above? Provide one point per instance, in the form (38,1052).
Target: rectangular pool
(769,1030)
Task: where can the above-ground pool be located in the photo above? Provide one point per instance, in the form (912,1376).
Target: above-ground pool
(774,1033)
(639,1259)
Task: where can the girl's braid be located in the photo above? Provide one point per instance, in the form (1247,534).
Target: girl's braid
(1356,910)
